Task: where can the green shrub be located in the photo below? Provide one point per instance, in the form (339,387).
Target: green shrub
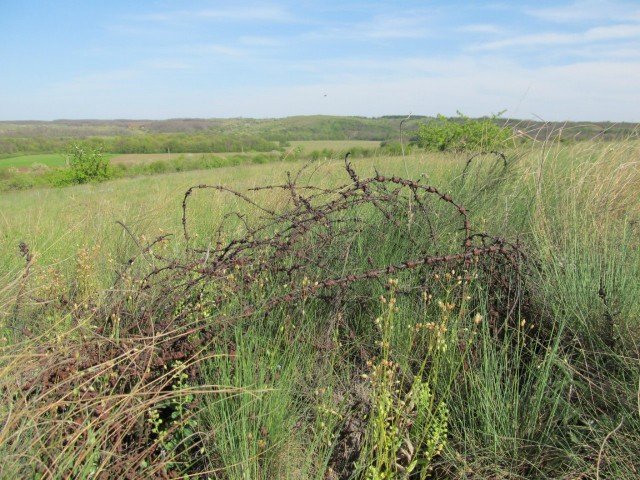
(463,134)
(62,178)
(87,163)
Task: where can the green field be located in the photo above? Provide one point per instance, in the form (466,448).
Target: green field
(29,161)
(339,145)
(459,316)
(58,160)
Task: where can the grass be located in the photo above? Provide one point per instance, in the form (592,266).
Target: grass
(337,145)
(23,174)
(56,222)
(59,160)
(28,161)
(35,162)
(457,370)
(145,158)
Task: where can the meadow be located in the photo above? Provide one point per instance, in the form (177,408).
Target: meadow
(438,314)
(28,161)
(24,172)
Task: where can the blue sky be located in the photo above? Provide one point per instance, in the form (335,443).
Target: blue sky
(551,60)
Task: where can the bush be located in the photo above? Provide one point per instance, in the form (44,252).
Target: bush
(463,134)
(87,163)
(62,178)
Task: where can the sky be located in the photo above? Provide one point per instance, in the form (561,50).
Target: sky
(156,59)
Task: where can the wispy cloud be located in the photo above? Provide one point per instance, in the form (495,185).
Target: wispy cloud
(246,14)
(588,10)
(598,34)
(260,41)
(168,64)
(483,28)
(262,14)
(404,26)
(224,50)
(614,32)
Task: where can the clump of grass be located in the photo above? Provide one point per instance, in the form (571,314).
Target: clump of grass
(551,385)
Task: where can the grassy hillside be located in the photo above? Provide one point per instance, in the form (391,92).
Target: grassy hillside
(465,317)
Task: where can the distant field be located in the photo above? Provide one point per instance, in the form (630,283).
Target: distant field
(307,146)
(138,158)
(27,161)
(311,145)
(58,160)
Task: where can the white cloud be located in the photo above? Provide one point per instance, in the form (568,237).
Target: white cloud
(395,27)
(597,34)
(408,25)
(614,32)
(225,50)
(168,64)
(264,14)
(260,41)
(587,10)
(245,14)
(482,28)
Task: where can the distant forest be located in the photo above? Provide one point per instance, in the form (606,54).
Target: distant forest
(258,135)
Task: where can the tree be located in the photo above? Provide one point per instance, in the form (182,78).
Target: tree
(87,164)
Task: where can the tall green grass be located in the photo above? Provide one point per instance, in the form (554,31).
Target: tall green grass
(475,373)
(547,404)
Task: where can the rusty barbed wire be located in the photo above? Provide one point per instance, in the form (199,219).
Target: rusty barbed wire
(325,241)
